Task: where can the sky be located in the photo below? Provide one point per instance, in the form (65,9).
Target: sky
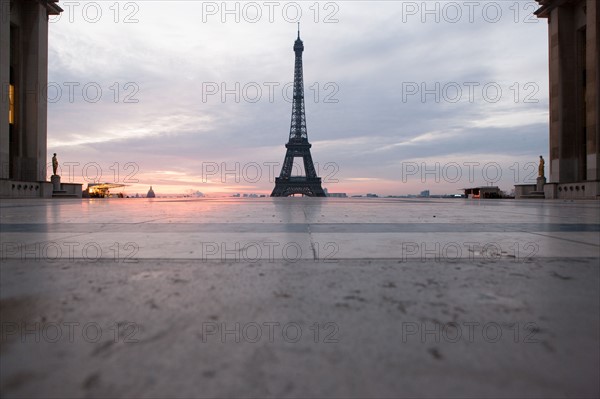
(401,96)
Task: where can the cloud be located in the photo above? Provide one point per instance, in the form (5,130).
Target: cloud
(157,109)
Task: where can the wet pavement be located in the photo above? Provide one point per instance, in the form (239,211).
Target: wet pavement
(297,297)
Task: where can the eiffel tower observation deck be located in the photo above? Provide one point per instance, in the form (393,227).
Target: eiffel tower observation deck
(298,145)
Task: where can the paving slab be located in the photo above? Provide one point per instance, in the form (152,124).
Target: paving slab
(198,298)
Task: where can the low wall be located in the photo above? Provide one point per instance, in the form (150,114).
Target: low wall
(24,189)
(579,190)
(524,189)
(35,189)
(72,188)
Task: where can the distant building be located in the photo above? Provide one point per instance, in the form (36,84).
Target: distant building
(424,194)
(100,190)
(337,195)
(150,193)
(574,41)
(372,196)
(23,78)
(482,192)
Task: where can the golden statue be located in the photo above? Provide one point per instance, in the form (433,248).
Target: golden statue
(541,167)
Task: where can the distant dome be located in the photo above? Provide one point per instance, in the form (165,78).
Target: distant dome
(150,193)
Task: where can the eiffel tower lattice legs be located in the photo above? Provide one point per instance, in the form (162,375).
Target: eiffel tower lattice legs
(298,185)
(286,184)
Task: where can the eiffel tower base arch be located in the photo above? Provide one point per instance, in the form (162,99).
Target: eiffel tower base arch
(310,187)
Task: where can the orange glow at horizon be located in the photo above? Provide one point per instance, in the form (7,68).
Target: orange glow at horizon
(191,186)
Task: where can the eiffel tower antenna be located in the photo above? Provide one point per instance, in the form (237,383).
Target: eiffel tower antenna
(298,145)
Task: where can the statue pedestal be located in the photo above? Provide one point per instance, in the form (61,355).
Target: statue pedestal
(540,183)
(55,180)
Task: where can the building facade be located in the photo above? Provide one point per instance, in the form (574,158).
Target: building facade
(23,108)
(573,36)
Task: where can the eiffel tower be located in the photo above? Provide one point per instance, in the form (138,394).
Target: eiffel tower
(298,145)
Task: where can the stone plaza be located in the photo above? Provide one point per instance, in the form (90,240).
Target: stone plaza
(299,297)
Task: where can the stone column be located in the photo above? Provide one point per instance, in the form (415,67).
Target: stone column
(35,80)
(563,70)
(4,80)
(593,89)
(597,125)
(554,136)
